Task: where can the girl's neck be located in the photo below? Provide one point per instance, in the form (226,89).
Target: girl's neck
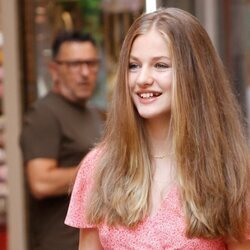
(160,136)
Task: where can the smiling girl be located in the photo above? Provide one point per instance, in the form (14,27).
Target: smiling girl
(172,169)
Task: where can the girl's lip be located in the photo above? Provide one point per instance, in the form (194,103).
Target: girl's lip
(148,94)
(147,97)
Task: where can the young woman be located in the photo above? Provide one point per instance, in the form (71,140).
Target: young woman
(171,171)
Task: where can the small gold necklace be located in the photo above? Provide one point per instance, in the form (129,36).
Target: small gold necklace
(161,156)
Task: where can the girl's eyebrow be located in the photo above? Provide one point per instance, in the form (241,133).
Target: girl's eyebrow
(133,57)
(154,58)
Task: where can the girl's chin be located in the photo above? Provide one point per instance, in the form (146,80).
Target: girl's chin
(154,115)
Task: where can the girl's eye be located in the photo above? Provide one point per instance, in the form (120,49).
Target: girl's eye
(161,66)
(133,66)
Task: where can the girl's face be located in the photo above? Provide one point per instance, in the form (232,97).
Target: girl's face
(150,75)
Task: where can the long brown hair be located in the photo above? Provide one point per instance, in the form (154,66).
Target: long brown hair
(208,136)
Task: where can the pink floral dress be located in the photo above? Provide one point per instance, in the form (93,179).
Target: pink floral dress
(164,230)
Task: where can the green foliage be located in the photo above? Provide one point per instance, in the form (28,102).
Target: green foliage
(91,15)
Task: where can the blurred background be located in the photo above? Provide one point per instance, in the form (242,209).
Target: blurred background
(27,28)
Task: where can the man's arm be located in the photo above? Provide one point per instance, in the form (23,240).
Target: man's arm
(46,179)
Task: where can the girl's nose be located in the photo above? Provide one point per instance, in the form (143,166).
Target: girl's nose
(145,78)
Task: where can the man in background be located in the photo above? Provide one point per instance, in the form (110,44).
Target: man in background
(58,131)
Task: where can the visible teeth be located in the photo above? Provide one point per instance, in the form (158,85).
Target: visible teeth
(146,95)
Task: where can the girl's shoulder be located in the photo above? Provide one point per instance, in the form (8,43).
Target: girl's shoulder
(81,190)
(89,162)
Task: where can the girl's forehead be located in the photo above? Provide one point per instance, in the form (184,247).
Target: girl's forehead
(152,43)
